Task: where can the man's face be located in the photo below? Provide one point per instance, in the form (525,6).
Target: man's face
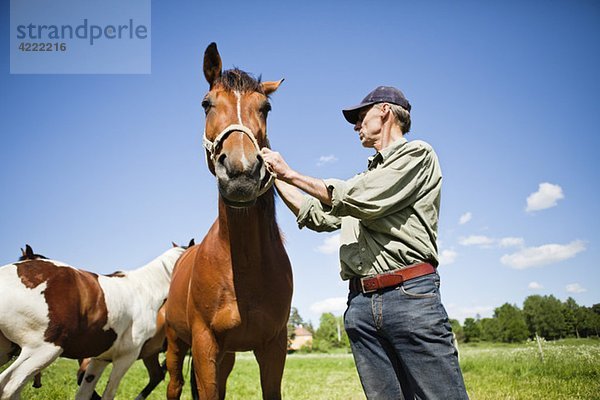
(369,125)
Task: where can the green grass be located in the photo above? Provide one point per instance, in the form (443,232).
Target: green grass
(571,370)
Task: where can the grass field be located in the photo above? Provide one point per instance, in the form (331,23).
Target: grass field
(571,370)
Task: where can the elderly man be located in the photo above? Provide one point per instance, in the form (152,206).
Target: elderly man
(388,215)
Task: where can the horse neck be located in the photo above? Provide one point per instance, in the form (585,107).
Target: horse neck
(252,228)
(155,277)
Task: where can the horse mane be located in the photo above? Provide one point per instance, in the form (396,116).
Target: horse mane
(265,205)
(236,79)
(116,274)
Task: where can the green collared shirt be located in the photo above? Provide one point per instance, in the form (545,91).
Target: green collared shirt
(388,215)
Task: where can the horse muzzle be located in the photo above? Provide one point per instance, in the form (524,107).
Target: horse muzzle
(240,182)
(241,191)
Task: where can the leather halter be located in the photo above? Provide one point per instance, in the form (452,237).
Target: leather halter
(212,146)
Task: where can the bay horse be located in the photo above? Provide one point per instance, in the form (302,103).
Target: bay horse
(50,309)
(233,291)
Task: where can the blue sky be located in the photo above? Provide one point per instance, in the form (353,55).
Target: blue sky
(103,171)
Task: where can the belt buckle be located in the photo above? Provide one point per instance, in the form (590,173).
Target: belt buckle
(362,285)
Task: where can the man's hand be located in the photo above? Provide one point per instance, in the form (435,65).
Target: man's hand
(277,164)
(314,187)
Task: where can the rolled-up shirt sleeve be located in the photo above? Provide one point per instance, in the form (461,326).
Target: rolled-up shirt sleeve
(382,191)
(313,216)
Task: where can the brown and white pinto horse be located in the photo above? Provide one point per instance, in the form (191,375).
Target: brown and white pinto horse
(50,309)
(233,291)
(149,355)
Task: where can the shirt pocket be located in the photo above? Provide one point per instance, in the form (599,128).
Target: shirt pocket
(350,255)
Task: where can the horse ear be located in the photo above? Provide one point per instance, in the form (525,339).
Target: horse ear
(174,244)
(192,243)
(212,64)
(22,252)
(271,86)
(28,251)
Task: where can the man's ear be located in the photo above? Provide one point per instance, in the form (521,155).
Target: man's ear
(385,110)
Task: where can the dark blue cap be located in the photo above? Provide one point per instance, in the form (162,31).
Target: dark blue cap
(381,94)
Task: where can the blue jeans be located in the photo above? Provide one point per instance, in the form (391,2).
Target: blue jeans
(402,342)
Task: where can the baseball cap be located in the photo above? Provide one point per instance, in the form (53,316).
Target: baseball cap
(381,94)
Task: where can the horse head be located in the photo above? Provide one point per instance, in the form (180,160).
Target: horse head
(28,254)
(236,108)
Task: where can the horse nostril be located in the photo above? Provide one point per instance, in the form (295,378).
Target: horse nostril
(257,168)
(221,159)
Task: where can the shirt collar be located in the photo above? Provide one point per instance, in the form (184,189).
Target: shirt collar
(381,156)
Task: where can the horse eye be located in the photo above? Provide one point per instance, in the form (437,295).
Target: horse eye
(206,104)
(266,108)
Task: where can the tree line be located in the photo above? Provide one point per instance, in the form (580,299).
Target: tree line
(543,316)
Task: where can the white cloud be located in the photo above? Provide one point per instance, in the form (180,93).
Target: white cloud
(330,245)
(512,242)
(466,217)
(476,240)
(447,257)
(332,305)
(546,197)
(542,255)
(329,159)
(535,286)
(575,288)
(488,242)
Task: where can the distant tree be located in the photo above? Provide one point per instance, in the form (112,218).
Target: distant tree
(596,323)
(569,310)
(588,322)
(510,323)
(294,321)
(295,318)
(544,316)
(457,330)
(330,334)
(472,330)
(532,309)
(490,329)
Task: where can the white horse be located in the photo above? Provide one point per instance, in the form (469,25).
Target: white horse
(50,309)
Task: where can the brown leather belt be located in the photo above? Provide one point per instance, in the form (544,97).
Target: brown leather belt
(371,284)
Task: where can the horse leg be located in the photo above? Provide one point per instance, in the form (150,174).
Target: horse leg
(37,380)
(120,367)
(206,355)
(30,361)
(6,347)
(83,364)
(176,352)
(271,361)
(156,373)
(225,367)
(90,378)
